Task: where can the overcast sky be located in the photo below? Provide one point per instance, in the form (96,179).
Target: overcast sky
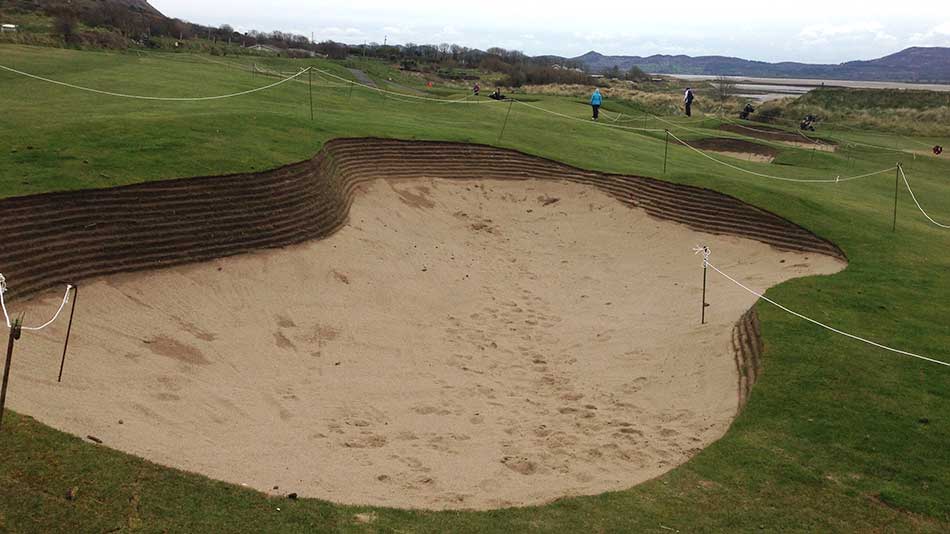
(814,31)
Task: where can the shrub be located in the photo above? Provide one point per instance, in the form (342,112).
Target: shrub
(65,26)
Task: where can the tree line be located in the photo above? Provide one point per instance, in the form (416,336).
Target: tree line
(118,25)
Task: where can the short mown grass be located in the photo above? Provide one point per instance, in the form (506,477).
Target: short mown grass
(838,436)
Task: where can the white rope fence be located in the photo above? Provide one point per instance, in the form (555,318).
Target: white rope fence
(402,95)
(913,196)
(562,115)
(809,319)
(706,133)
(6,315)
(783,178)
(159,98)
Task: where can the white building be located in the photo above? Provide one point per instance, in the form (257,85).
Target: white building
(8,28)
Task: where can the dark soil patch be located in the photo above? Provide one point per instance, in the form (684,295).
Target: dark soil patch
(722,144)
(772,134)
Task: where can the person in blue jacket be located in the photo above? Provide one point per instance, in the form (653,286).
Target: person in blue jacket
(595,101)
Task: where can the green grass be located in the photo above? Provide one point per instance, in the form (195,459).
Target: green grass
(831,440)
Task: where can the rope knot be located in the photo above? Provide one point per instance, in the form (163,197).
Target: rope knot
(704,250)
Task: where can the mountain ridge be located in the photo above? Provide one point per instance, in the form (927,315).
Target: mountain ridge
(914,64)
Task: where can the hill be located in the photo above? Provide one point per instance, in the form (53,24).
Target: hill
(916,64)
(136,6)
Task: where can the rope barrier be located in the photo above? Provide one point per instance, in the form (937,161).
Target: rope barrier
(823,325)
(681,127)
(913,196)
(783,178)
(268,72)
(403,95)
(630,128)
(159,98)
(6,315)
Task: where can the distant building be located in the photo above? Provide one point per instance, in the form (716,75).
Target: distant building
(8,28)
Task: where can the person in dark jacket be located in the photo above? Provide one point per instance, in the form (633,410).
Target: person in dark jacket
(688,102)
(596,100)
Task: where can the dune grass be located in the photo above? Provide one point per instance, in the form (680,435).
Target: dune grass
(897,112)
(838,436)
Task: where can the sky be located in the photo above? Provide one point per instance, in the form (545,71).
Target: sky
(812,31)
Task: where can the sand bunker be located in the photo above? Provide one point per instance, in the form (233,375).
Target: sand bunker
(782,136)
(457,344)
(737,148)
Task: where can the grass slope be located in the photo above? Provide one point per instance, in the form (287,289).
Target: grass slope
(832,439)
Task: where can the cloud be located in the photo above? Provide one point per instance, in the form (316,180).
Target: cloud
(334,33)
(396,30)
(937,36)
(826,33)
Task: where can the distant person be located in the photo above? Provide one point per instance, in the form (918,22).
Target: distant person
(476,89)
(688,102)
(808,123)
(746,111)
(595,101)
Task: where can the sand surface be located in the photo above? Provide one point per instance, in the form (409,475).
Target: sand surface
(456,345)
(747,156)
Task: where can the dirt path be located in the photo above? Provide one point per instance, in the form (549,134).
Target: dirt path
(362,77)
(457,344)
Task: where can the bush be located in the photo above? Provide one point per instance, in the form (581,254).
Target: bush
(106,39)
(636,74)
(65,26)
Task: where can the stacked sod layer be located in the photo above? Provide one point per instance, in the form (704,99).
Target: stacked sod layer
(71,236)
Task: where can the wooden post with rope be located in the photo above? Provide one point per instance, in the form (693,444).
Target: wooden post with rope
(14,335)
(503,126)
(897,183)
(69,330)
(705,271)
(310,83)
(666,151)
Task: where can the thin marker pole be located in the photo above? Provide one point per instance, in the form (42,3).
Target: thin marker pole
(705,270)
(310,78)
(666,151)
(503,126)
(352,85)
(897,182)
(14,335)
(69,330)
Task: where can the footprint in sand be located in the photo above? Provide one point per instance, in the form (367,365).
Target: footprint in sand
(520,465)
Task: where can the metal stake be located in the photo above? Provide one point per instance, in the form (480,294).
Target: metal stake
(14,335)
(69,330)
